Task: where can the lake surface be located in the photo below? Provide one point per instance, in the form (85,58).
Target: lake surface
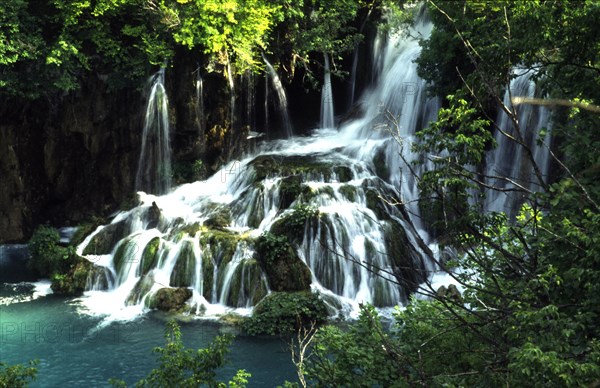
(76,349)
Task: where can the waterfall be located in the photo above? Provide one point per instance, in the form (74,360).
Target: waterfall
(154,166)
(353,76)
(343,200)
(343,197)
(327,120)
(231,94)
(199,103)
(509,160)
(281,98)
(250,111)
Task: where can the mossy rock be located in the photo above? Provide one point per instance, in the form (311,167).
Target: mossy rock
(451,292)
(376,203)
(289,190)
(381,293)
(99,278)
(232,319)
(73,282)
(280,262)
(343,173)
(380,163)
(219,218)
(222,243)
(149,256)
(141,288)
(85,229)
(309,167)
(170,299)
(408,262)
(349,192)
(247,286)
(183,230)
(286,312)
(104,242)
(293,223)
(185,265)
(208,274)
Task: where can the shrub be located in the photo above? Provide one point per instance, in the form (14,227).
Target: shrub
(17,376)
(46,256)
(285,312)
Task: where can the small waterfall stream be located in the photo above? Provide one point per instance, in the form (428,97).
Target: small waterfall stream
(154,166)
(327,110)
(509,161)
(282,102)
(199,103)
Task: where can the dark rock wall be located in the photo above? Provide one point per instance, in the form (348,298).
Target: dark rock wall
(63,160)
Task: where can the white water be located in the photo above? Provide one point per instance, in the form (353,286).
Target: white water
(282,102)
(154,165)
(327,110)
(350,251)
(200,102)
(364,248)
(509,159)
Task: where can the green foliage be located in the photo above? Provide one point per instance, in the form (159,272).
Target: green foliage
(285,312)
(17,376)
(183,367)
(46,256)
(188,171)
(58,44)
(530,302)
(360,356)
(271,246)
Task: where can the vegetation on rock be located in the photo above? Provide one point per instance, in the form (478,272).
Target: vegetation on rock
(286,312)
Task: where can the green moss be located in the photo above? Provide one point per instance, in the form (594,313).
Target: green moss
(185,264)
(219,218)
(247,285)
(369,248)
(232,319)
(125,252)
(349,192)
(149,256)
(284,269)
(85,229)
(379,161)
(105,240)
(141,288)
(326,190)
(170,299)
(343,173)
(307,166)
(377,204)
(285,312)
(74,281)
(293,223)
(208,268)
(408,262)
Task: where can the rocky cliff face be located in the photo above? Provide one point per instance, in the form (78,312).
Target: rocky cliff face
(63,160)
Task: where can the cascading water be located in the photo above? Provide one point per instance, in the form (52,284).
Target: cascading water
(231,80)
(281,98)
(199,106)
(343,199)
(327,115)
(154,166)
(334,194)
(509,161)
